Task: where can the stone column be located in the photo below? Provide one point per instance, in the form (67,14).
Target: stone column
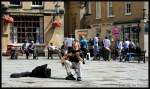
(5,37)
(141,35)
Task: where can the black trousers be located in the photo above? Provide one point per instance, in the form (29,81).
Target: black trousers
(106,54)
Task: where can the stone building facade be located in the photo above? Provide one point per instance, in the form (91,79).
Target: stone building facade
(102,16)
(33,20)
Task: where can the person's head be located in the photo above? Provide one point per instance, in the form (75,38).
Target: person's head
(82,37)
(51,44)
(126,39)
(69,35)
(106,37)
(63,42)
(97,35)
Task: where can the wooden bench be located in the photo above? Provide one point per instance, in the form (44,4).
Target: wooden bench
(51,52)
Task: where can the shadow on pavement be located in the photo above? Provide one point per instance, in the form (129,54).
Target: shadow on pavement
(57,78)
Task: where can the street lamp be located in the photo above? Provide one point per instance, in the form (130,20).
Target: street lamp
(56,10)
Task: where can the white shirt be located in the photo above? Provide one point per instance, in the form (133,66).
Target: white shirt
(120,45)
(106,43)
(51,47)
(27,44)
(69,42)
(127,44)
(96,41)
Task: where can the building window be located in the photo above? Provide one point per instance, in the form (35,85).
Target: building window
(37,3)
(130,34)
(98,9)
(15,3)
(110,9)
(88,7)
(27,28)
(128,8)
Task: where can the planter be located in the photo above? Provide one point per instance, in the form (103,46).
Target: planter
(7,19)
(56,23)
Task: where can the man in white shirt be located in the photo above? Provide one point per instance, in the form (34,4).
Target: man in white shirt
(127,42)
(69,43)
(51,49)
(120,46)
(107,45)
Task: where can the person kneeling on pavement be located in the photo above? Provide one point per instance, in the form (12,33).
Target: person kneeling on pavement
(74,61)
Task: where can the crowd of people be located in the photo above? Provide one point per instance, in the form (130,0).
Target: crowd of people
(74,51)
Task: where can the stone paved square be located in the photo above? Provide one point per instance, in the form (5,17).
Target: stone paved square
(95,74)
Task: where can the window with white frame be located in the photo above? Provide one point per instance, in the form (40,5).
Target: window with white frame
(128,8)
(15,3)
(37,3)
(110,9)
(98,9)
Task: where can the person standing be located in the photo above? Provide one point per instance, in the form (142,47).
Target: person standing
(107,50)
(91,48)
(69,43)
(63,49)
(96,40)
(84,46)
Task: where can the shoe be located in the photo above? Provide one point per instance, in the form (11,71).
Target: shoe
(78,78)
(70,77)
(83,62)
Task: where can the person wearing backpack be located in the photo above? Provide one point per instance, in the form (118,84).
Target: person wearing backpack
(84,46)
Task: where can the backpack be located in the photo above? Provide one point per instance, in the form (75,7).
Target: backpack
(41,72)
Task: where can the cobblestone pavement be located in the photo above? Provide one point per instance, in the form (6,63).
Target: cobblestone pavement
(95,74)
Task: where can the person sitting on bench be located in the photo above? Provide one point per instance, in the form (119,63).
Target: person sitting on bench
(31,49)
(53,50)
(25,48)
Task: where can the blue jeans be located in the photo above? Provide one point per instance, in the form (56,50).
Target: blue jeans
(129,56)
(95,51)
